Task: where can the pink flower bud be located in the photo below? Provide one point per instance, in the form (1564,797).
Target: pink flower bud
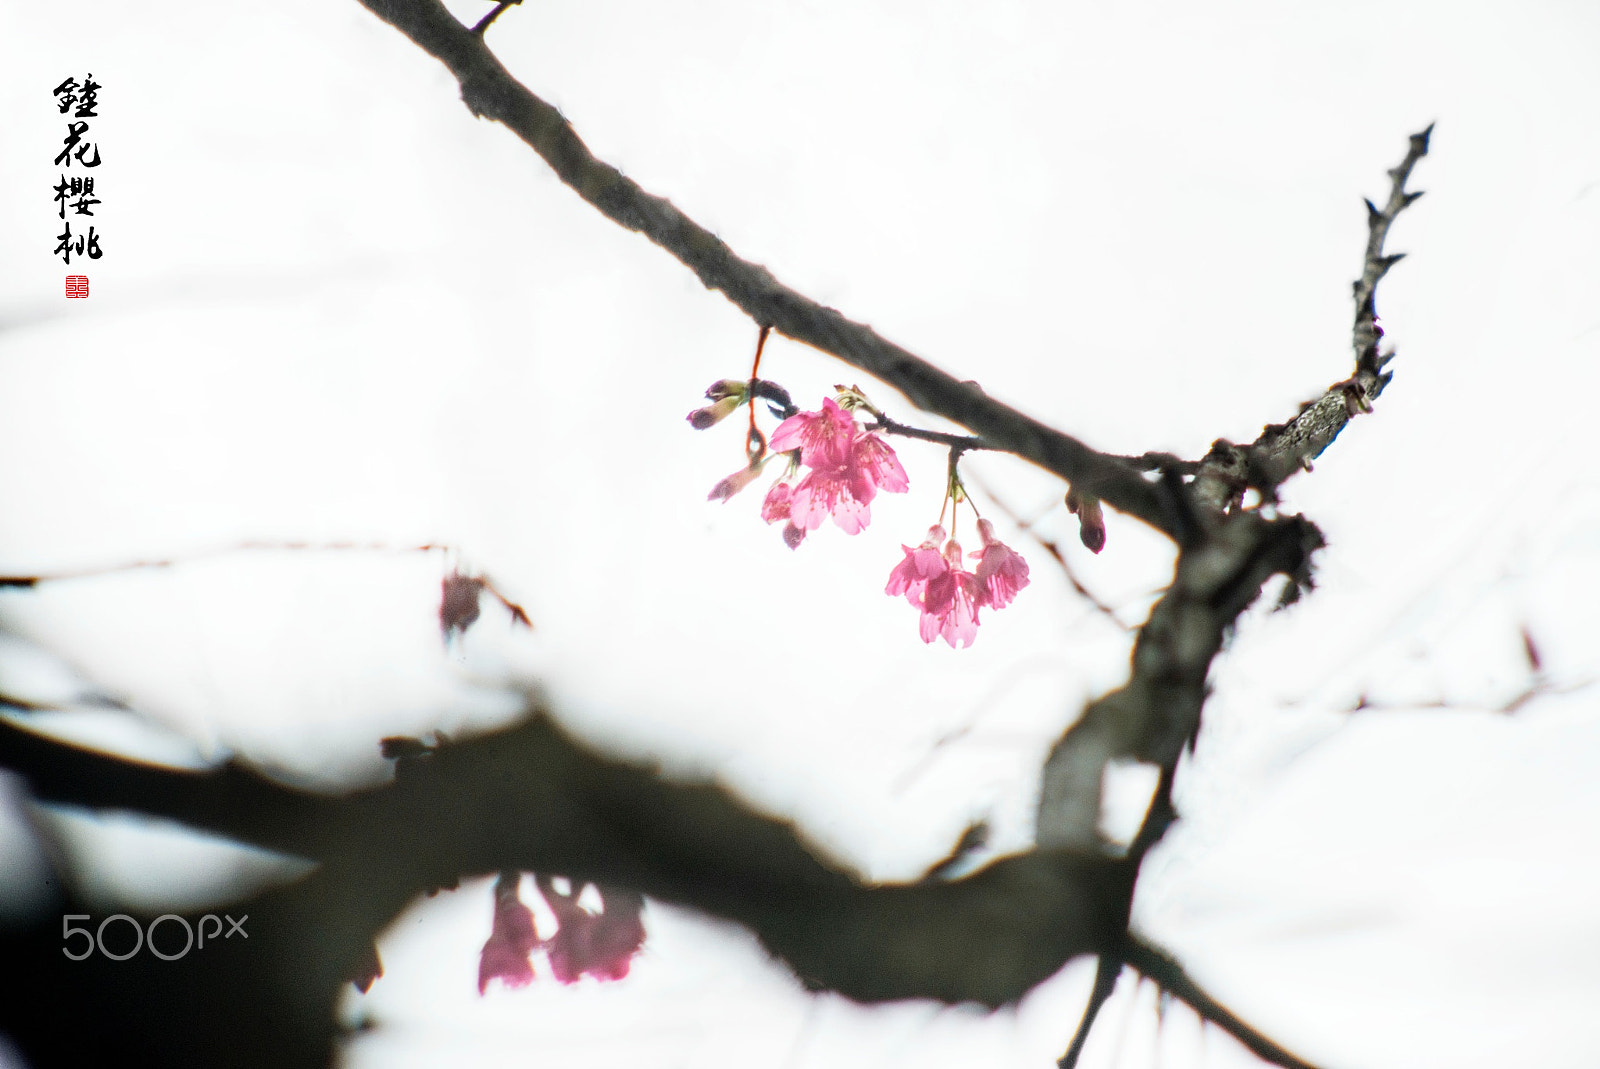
(714,413)
(734,483)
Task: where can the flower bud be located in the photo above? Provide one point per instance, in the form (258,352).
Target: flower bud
(458,603)
(714,413)
(727,388)
(1091,520)
(734,483)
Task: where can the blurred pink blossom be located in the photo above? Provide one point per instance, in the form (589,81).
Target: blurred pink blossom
(951,601)
(602,944)
(1001,570)
(848,468)
(776,507)
(910,577)
(512,938)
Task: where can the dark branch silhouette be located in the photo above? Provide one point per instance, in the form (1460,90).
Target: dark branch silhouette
(530,798)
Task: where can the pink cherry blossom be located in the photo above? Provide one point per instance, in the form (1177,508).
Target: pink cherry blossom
(828,492)
(848,468)
(602,944)
(513,937)
(951,601)
(910,577)
(824,438)
(775,508)
(873,464)
(1001,570)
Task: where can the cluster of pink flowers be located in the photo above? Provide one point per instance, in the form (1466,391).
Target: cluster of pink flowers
(848,467)
(934,580)
(601,945)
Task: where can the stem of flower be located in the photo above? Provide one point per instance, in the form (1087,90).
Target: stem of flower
(954,491)
(750,394)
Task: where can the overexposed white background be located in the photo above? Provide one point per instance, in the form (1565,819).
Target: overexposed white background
(334,306)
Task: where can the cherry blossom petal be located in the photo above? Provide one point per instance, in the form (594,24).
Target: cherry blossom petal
(824,438)
(775,506)
(1001,570)
(960,625)
(875,459)
(824,493)
(910,577)
(951,602)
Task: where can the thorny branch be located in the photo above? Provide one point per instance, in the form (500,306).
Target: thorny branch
(1282,449)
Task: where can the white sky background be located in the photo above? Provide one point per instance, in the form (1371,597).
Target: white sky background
(334,306)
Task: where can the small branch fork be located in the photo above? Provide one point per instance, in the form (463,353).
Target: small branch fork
(488,20)
(1285,449)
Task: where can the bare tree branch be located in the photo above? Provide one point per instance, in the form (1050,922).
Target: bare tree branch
(1106,971)
(1282,449)
(1165,971)
(491,92)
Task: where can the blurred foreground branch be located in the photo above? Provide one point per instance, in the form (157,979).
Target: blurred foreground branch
(531,798)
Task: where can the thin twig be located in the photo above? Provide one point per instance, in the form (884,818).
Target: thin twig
(1051,547)
(488,20)
(1165,971)
(25,581)
(1106,971)
(955,441)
